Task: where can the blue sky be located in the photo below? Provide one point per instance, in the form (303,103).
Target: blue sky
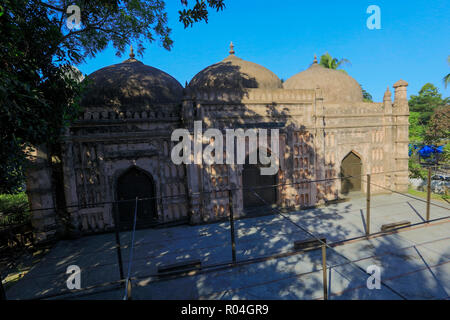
(283,36)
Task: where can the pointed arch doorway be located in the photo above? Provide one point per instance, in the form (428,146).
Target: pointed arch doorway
(351,170)
(131,184)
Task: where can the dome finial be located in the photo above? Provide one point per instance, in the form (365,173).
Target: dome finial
(131,52)
(231,48)
(315,59)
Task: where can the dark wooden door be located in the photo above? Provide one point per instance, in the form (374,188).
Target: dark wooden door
(351,173)
(251,178)
(135,183)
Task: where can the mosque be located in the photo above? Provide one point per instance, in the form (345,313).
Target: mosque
(120,147)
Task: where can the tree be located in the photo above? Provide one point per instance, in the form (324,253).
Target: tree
(38,98)
(439,125)
(426,102)
(36,95)
(367,97)
(199,12)
(415,169)
(416,130)
(120,23)
(329,62)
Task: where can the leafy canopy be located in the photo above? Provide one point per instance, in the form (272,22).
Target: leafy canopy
(426,102)
(199,11)
(429,123)
(39,91)
(439,125)
(367,97)
(37,96)
(329,62)
(416,130)
(120,23)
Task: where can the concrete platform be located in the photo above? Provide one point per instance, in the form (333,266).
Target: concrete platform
(414,262)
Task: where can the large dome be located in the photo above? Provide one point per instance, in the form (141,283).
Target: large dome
(235,73)
(337,86)
(131,83)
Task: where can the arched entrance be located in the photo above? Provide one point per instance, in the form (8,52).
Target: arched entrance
(131,184)
(251,178)
(351,170)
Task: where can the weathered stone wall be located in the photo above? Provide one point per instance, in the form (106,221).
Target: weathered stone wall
(290,111)
(314,139)
(401,136)
(40,194)
(103,144)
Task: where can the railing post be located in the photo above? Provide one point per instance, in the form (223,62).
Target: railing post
(233,242)
(2,290)
(428,193)
(368,206)
(324,268)
(119,252)
(129,287)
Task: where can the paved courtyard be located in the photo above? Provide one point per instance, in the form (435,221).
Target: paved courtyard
(414,262)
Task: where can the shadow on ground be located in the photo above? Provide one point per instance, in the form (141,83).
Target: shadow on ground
(413,262)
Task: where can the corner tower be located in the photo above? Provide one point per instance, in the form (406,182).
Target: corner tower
(400,115)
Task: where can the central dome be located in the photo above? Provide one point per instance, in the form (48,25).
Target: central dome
(235,73)
(336,85)
(131,84)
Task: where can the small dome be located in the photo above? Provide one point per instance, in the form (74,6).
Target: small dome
(337,86)
(131,83)
(235,73)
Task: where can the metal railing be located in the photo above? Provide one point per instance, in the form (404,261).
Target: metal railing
(126,282)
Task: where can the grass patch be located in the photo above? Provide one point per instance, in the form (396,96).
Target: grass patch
(14,208)
(423,194)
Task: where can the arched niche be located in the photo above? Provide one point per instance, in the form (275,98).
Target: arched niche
(350,173)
